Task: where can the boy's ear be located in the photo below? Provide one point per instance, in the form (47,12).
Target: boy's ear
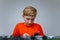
(22,15)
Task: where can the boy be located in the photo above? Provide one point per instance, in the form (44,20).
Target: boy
(28,28)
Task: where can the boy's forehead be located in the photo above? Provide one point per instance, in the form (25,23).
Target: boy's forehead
(29,16)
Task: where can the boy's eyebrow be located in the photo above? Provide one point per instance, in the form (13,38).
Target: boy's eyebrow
(27,18)
(31,19)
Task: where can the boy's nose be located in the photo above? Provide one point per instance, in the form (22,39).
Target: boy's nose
(30,21)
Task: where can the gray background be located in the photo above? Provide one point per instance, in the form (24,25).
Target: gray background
(48,15)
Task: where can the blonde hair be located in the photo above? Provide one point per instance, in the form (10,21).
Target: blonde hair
(29,11)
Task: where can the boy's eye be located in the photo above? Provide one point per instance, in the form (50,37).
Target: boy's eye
(28,19)
(32,19)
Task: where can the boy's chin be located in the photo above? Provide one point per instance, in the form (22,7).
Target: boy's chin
(29,24)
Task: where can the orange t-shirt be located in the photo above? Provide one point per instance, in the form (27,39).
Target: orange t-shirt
(21,28)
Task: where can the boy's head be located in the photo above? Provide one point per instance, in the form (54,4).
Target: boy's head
(29,14)
(29,11)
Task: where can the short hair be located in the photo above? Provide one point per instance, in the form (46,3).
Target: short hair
(29,11)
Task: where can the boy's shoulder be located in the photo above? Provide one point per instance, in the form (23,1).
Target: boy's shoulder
(37,24)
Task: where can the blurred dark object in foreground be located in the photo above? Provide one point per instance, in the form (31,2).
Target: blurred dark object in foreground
(4,38)
(32,38)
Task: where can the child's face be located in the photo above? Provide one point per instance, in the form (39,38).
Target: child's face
(29,20)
